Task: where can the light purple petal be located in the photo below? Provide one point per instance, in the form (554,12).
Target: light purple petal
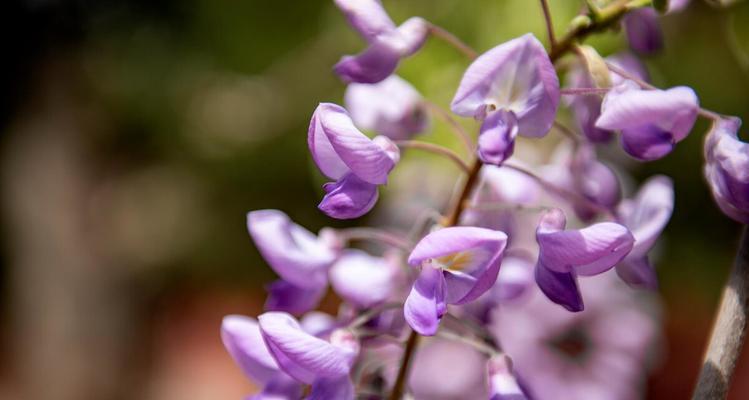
(643,30)
(469,253)
(727,168)
(332,389)
(317,323)
(515,277)
(338,147)
(242,339)
(630,64)
(587,251)
(367,17)
(515,76)
(502,382)
(284,296)
(362,279)
(296,254)
(648,213)
(497,137)
(638,272)
(392,108)
(301,355)
(413,32)
(647,143)
(593,180)
(559,287)
(281,387)
(375,63)
(348,198)
(425,305)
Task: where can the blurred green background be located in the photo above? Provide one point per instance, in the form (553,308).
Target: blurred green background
(136,135)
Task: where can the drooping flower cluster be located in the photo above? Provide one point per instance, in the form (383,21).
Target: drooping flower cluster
(502,284)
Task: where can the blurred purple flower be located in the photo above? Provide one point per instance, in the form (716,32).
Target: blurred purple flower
(502,382)
(516,76)
(497,137)
(357,163)
(646,215)
(643,30)
(467,371)
(363,280)
(285,296)
(565,254)
(458,264)
(388,44)
(727,168)
(651,121)
(603,352)
(593,180)
(392,108)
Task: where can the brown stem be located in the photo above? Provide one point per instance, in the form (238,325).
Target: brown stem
(452,40)
(436,149)
(729,330)
(549,24)
(456,127)
(400,381)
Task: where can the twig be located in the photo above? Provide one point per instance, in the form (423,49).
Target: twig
(436,149)
(377,235)
(549,24)
(729,330)
(400,381)
(452,40)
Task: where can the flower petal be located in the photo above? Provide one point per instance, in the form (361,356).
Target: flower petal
(332,388)
(727,168)
(503,384)
(367,17)
(559,287)
(648,213)
(412,33)
(375,63)
(296,254)
(516,76)
(285,296)
(348,198)
(242,339)
(337,147)
(425,305)
(647,143)
(281,387)
(497,137)
(587,251)
(638,272)
(362,279)
(301,355)
(643,30)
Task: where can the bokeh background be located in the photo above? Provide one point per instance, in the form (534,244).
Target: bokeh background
(135,135)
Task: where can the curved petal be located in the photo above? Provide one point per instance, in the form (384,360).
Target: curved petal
(372,65)
(649,213)
(727,168)
(392,108)
(516,76)
(647,143)
(332,388)
(301,355)
(336,143)
(425,305)
(367,17)
(502,382)
(638,272)
(587,251)
(497,137)
(559,287)
(284,296)
(348,198)
(412,33)
(643,30)
(296,254)
(362,279)
(281,387)
(242,339)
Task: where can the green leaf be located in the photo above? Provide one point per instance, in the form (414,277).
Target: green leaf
(660,5)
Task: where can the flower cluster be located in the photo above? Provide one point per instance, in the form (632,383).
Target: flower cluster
(528,286)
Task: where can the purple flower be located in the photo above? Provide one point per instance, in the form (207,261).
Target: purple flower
(467,371)
(388,44)
(587,108)
(502,382)
(325,364)
(244,342)
(285,296)
(458,265)
(727,168)
(516,76)
(565,254)
(651,121)
(603,352)
(643,30)
(357,163)
(594,180)
(497,137)
(392,108)
(646,215)
(363,280)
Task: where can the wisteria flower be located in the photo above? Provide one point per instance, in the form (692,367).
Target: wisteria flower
(392,108)
(651,121)
(497,137)
(357,163)
(325,364)
(646,215)
(467,380)
(299,257)
(363,280)
(457,265)
(727,168)
(643,30)
(603,352)
(388,44)
(565,254)
(516,76)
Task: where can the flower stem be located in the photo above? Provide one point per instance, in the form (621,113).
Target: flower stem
(377,235)
(583,91)
(456,127)
(729,330)
(436,149)
(452,40)
(549,23)
(400,381)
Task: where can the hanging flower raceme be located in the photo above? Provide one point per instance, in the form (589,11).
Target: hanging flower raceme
(517,81)
(300,258)
(325,364)
(357,163)
(727,168)
(388,44)
(651,121)
(645,215)
(457,265)
(565,254)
